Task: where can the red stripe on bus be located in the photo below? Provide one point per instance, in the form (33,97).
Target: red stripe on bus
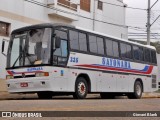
(117,69)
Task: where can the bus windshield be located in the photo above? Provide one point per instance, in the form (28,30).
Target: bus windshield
(30,48)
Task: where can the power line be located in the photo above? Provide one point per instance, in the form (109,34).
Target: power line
(124,6)
(44,5)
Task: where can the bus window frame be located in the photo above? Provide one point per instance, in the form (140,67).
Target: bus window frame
(52,47)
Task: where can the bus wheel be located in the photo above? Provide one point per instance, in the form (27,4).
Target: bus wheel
(81,88)
(137,91)
(44,95)
(107,95)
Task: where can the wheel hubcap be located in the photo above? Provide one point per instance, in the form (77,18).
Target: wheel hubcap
(138,90)
(81,88)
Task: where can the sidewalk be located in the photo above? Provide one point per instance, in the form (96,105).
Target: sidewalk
(7,96)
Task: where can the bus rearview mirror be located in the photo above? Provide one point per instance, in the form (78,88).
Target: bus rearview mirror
(3,45)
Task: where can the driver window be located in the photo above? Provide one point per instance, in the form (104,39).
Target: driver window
(62,51)
(60,54)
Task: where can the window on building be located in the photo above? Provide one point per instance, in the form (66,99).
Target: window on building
(100,5)
(67,4)
(4,28)
(85,5)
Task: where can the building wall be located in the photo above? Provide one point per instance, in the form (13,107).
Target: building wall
(21,13)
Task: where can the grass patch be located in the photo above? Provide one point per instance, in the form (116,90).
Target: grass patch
(158,91)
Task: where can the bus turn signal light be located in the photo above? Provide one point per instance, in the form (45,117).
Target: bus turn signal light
(9,77)
(41,74)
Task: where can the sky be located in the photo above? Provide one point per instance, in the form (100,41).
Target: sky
(138,18)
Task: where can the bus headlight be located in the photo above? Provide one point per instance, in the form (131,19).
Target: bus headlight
(9,77)
(41,74)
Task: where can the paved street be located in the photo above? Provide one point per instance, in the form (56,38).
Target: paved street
(92,103)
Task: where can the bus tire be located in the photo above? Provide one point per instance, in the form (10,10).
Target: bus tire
(137,94)
(81,88)
(107,95)
(44,95)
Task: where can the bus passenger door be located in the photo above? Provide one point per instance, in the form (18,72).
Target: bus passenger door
(60,57)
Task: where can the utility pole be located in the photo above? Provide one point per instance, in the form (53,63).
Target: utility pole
(148,22)
(149,18)
(94,10)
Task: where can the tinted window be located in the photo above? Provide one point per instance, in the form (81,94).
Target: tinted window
(82,42)
(100,45)
(109,47)
(129,51)
(115,49)
(61,34)
(147,55)
(153,57)
(136,52)
(112,48)
(126,50)
(123,50)
(141,54)
(92,44)
(74,43)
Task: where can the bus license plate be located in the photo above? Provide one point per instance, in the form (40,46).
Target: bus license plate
(24,84)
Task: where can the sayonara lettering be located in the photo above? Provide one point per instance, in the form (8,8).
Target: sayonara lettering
(116,63)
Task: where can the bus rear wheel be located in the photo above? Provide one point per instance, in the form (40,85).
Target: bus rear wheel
(44,95)
(137,94)
(81,88)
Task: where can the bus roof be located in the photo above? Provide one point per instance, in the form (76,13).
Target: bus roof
(38,26)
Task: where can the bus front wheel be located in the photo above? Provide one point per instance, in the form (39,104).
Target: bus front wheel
(81,88)
(137,91)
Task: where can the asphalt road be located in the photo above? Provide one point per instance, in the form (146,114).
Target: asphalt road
(93,103)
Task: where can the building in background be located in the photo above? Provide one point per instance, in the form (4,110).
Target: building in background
(97,15)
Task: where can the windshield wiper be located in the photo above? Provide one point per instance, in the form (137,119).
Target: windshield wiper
(20,56)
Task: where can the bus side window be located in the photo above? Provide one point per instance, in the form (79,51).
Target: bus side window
(93,44)
(153,57)
(82,41)
(100,45)
(109,47)
(115,49)
(147,55)
(141,54)
(74,43)
(60,54)
(126,51)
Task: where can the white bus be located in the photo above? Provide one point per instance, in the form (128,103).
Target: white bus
(55,59)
